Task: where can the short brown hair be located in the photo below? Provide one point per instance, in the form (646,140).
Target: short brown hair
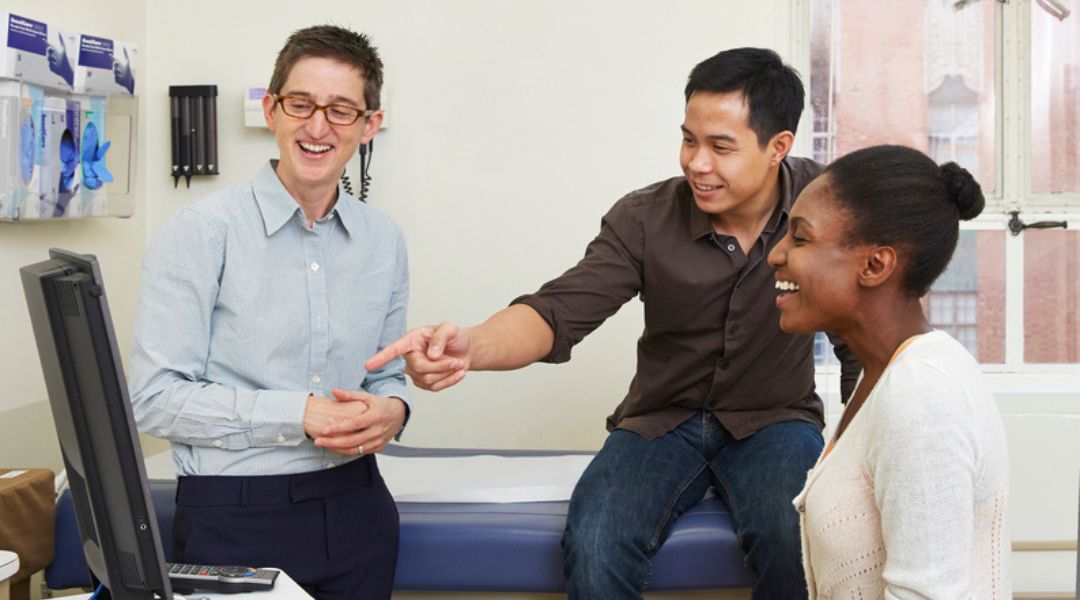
(338,43)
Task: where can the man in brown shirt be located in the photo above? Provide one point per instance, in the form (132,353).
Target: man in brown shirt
(722,397)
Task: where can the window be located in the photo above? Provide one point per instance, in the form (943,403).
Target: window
(929,81)
(1051,302)
(945,77)
(1055,101)
(954,313)
(954,123)
(823,350)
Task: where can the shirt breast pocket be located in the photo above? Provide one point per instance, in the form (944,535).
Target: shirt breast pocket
(360,302)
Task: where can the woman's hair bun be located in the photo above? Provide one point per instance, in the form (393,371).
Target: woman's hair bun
(963,190)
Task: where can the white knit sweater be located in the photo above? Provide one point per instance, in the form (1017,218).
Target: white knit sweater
(910,502)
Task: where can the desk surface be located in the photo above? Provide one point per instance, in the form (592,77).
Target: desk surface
(9,564)
(284,589)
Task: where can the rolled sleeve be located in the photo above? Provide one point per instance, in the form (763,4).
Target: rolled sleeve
(609,275)
(563,343)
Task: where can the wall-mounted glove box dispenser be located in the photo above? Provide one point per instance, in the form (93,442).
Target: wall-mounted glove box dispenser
(65,155)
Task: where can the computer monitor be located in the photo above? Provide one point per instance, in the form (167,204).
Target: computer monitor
(98,440)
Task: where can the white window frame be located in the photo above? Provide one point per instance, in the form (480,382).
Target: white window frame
(1012,193)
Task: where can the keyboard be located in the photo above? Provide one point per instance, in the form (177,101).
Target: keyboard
(223,580)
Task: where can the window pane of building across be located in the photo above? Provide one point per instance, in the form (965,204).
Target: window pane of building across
(1055,100)
(920,74)
(968,300)
(1051,296)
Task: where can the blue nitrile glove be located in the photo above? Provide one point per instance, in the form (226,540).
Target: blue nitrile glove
(94,171)
(26,149)
(69,161)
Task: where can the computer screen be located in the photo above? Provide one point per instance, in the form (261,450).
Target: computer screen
(98,440)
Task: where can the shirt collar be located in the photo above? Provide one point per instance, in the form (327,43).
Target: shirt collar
(278,206)
(349,210)
(701,224)
(787,198)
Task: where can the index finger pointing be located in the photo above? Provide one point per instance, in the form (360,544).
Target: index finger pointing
(403,345)
(384,356)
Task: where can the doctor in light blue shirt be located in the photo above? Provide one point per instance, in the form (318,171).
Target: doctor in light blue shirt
(259,303)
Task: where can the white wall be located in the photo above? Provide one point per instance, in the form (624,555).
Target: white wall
(513,127)
(117,242)
(1043,428)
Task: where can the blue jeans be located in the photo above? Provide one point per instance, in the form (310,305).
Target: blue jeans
(623,507)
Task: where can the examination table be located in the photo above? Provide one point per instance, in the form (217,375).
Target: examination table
(507,541)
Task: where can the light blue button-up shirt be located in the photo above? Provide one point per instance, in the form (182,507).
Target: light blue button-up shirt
(245,311)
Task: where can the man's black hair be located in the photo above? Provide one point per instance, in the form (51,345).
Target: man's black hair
(773,90)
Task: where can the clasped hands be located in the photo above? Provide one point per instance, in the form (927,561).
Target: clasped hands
(351,421)
(436,358)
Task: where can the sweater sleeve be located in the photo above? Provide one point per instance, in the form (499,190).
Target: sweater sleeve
(923,466)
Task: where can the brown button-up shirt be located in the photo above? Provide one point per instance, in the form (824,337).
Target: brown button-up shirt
(712,336)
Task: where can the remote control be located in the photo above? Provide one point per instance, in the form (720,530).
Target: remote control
(223,580)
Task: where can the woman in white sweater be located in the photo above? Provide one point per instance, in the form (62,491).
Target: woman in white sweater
(908,499)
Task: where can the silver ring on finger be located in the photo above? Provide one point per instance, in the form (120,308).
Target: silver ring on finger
(360,450)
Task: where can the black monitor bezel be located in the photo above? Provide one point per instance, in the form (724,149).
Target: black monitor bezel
(95,427)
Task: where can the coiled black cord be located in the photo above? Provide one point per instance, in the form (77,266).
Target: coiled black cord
(366,152)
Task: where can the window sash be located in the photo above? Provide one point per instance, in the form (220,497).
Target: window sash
(1013,189)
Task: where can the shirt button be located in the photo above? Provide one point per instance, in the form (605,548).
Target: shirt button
(315,379)
(218,443)
(280,439)
(314,266)
(731,247)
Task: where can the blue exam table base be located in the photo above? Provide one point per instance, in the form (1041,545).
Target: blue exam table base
(480,546)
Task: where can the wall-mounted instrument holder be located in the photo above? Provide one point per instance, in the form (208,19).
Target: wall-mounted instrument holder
(193,109)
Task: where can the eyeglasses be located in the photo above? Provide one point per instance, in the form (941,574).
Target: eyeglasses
(300,107)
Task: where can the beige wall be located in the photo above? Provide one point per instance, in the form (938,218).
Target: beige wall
(513,127)
(26,434)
